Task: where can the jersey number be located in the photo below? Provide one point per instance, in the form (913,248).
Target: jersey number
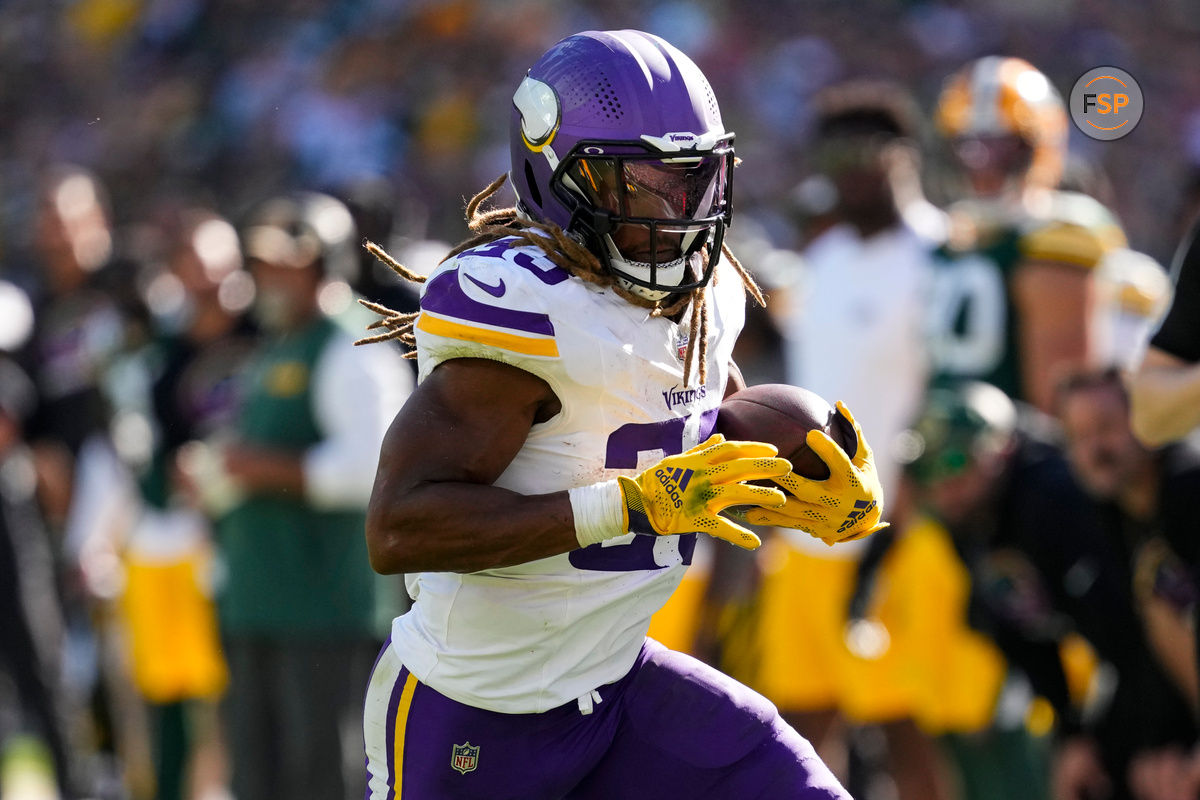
(634,552)
(545,271)
(967,317)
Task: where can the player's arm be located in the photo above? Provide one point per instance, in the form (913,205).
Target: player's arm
(1055,302)
(1164,397)
(433,507)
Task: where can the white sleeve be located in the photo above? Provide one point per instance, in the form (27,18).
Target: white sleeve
(356,393)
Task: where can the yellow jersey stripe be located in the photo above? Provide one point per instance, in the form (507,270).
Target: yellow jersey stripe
(406,698)
(527,345)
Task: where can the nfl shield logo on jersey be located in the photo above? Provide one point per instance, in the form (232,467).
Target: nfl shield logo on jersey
(464,757)
(681,343)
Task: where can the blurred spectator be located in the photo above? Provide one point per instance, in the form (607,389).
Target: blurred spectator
(297,611)
(1166,386)
(190,370)
(78,328)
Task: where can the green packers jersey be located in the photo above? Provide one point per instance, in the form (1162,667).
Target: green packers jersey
(973,321)
(293,568)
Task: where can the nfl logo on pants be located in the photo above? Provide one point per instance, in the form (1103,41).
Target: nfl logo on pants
(464,757)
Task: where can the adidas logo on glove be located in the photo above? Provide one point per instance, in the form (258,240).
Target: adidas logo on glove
(674,481)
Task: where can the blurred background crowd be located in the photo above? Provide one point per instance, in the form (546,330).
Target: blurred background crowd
(183,188)
(229,100)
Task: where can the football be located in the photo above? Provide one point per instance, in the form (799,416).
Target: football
(783,415)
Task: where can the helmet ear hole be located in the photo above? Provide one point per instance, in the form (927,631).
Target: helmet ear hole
(531,182)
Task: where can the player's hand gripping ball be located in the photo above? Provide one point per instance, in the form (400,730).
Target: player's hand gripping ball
(686,493)
(833,489)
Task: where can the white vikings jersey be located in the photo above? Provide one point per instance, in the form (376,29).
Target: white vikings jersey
(531,637)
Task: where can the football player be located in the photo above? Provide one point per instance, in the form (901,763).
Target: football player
(543,487)
(1014,290)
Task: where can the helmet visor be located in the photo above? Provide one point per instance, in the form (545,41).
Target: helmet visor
(680,189)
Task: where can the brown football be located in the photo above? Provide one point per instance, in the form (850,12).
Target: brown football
(783,415)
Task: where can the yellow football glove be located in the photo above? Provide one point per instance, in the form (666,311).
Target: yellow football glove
(685,493)
(845,506)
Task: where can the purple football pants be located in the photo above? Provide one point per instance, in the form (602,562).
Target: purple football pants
(673,727)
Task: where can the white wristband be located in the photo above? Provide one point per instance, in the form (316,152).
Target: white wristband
(599,511)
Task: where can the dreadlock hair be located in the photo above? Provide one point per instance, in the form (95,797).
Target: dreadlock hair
(564,252)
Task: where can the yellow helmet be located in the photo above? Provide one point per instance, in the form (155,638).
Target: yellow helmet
(1003,96)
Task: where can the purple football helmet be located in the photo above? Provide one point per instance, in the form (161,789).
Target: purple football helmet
(617,138)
